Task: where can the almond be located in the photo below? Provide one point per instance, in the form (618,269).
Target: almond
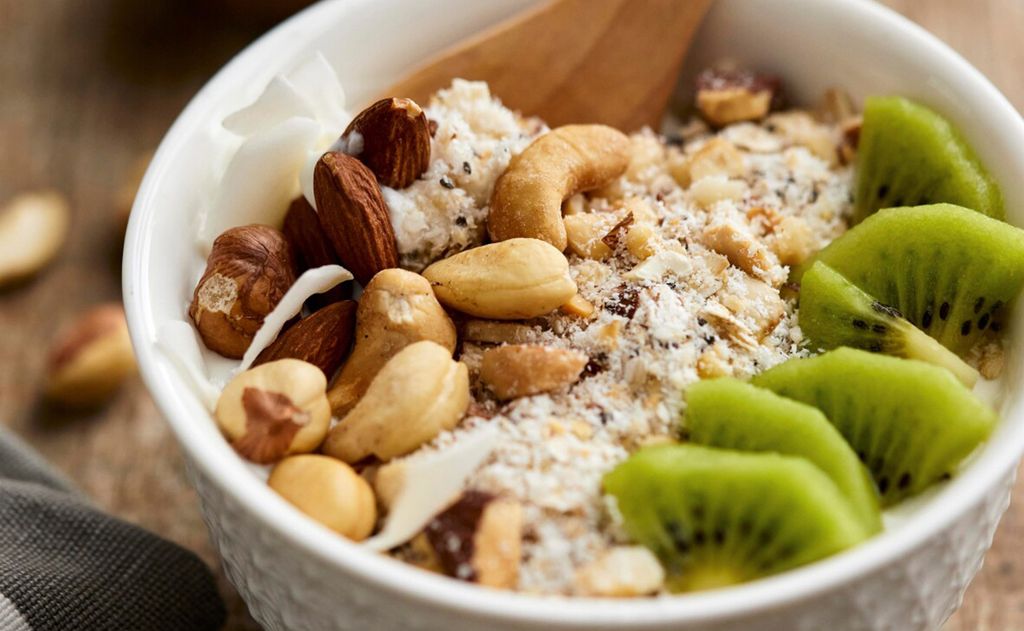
(247,273)
(309,244)
(90,359)
(322,338)
(392,138)
(354,215)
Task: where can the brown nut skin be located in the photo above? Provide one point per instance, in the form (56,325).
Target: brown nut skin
(90,359)
(397,308)
(527,198)
(309,244)
(322,338)
(328,491)
(731,96)
(420,392)
(275,410)
(354,216)
(479,539)
(392,138)
(521,370)
(247,273)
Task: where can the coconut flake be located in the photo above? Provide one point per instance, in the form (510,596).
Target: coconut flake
(317,82)
(279,101)
(177,341)
(429,484)
(263,177)
(306,177)
(656,267)
(313,281)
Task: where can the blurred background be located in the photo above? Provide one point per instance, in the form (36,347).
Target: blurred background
(87,90)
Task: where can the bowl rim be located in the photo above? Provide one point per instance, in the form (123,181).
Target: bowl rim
(964,492)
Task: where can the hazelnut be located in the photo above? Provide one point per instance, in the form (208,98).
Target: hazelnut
(247,273)
(522,370)
(741,248)
(479,539)
(275,410)
(731,96)
(91,358)
(620,572)
(329,491)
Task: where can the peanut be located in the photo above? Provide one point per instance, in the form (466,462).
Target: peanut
(523,370)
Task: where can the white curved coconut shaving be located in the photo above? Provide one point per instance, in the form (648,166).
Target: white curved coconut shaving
(427,484)
(313,281)
(178,342)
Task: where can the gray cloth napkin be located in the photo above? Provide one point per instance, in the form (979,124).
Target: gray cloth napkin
(66,566)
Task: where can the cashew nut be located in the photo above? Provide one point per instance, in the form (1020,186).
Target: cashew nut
(510,280)
(527,200)
(396,309)
(418,393)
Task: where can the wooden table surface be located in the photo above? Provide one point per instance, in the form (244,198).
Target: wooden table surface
(87,87)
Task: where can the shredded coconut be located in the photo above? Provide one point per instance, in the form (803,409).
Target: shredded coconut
(660,324)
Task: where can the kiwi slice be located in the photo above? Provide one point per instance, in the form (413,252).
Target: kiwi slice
(717,517)
(834,312)
(948,270)
(731,414)
(910,422)
(908,155)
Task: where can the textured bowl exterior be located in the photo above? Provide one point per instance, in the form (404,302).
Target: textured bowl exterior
(288,590)
(294,574)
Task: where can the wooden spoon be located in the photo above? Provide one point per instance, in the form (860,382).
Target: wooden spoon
(574,61)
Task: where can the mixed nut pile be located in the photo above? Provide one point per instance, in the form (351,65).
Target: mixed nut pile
(397,385)
(358,383)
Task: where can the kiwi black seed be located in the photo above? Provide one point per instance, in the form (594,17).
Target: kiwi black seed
(909,155)
(935,264)
(834,312)
(910,422)
(732,414)
(717,517)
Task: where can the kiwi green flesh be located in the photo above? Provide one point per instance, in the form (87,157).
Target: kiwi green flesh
(719,517)
(731,414)
(910,422)
(909,155)
(949,271)
(834,312)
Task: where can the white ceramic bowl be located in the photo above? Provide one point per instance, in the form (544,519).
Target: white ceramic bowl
(296,575)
